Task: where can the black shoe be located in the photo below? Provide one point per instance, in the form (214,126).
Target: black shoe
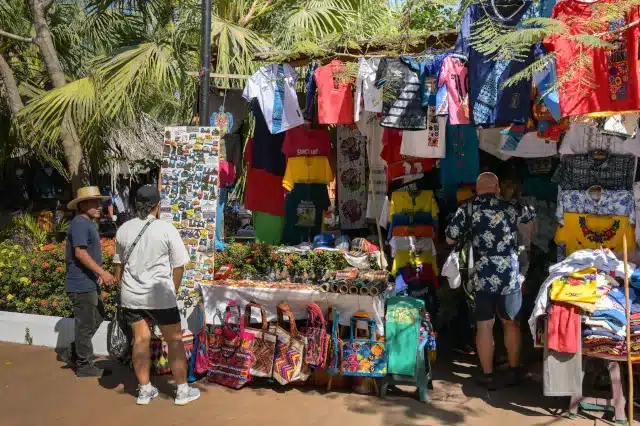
(487,381)
(90,371)
(68,356)
(514,376)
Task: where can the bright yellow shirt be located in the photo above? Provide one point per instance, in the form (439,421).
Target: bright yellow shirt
(408,203)
(579,286)
(588,231)
(406,257)
(307,170)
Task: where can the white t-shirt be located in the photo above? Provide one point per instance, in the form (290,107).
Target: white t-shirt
(429,143)
(366,89)
(273,85)
(528,146)
(369,126)
(147,280)
(582,138)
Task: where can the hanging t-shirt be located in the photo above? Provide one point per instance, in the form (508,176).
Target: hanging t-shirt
(268,228)
(586,231)
(462,163)
(303,141)
(227,110)
(399,165)
(411,203)
(369,126)
(351,178)
(490,103)
(307,170)
(304,207)
(429,143)
(263,190)
(584,138)
(582,171)
(611,75)
(453,76)
(528,145)
(402,98)
(608,202)
(267,147)
(273,87)
(367,95)
(335,98)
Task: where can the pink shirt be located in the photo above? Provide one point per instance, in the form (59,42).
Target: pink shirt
(454,74)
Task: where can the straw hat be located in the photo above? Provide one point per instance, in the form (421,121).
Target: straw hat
(85,194)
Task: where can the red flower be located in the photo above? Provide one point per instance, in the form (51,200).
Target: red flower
(43,302)
(288,261)
(54,304)
(59,269)
(249,260)
(45,265)
(48,247)
(36,283)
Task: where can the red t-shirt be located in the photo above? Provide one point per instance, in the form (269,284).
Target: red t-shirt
(263,191)
(399,165)
(614,73)
(303,141)
(335,101)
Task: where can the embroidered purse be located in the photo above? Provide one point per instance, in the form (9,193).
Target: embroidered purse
(264,345)
(317,338)
(160,352)
(363,357)
(230,353)
(289,356)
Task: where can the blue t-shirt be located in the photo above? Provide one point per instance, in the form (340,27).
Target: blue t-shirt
(490,103)
(462,162)
(82,233)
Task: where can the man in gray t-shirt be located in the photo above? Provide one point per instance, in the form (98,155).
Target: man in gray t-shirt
(84,275)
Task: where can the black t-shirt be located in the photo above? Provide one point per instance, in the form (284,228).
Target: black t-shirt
(402,96)
(304,207)
(267,147)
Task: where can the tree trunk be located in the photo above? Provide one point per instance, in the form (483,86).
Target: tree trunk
(10,86)
(70,143)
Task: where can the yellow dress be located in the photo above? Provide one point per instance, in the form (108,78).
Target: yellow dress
(580,286)
(589,231)
(307,170)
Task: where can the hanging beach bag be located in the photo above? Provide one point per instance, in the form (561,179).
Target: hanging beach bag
(230,353)
(317,338)
(289,356)
(363,357)
(264,345)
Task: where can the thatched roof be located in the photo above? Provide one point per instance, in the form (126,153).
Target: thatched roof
(136,146)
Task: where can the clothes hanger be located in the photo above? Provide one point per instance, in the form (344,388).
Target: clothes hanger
(595,192)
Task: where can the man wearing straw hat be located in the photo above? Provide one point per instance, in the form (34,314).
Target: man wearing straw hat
(84,276)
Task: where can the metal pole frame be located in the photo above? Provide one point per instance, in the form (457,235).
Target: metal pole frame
(205,65)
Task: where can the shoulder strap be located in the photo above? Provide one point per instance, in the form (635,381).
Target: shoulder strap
(135,242)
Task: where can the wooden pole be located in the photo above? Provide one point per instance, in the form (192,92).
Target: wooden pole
(628,314)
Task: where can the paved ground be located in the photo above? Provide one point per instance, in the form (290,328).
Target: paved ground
(36,390)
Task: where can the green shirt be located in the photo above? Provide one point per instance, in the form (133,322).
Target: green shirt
(402,330)
(304,207)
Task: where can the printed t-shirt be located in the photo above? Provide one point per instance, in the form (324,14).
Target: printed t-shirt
(351,177)
(335,99)
(303,141)
(304,206)
(586,231)
(610,202)
(582,171)
(82,233)
(263,191)
(369,127)
(307,170)
(453,75)
(405,257)
(402,98)
(584,138)
(612,74)
(490,103)
(366,90)
(227,110)
(273,87)
(429,143)
(268,228)
(528,145)
(267,147)
(399,165)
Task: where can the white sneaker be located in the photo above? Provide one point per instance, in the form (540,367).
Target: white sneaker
(145,396)
(185,397)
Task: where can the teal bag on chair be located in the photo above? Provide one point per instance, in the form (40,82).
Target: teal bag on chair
(363,357)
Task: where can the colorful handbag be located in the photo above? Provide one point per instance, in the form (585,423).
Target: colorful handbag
(289,356)
(363,357)
(160,352)
(230,353)
(317,338)
(201,358)
(264,345)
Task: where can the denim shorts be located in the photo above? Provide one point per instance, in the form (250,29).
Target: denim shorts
(507,306)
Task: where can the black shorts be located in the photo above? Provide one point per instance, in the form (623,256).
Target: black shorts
(507,306)
(159,317)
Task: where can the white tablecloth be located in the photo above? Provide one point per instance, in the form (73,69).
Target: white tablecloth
(216,298)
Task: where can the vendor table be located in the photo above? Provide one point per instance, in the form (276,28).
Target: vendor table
(217,296)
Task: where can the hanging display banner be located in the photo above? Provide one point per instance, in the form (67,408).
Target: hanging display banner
(189,188)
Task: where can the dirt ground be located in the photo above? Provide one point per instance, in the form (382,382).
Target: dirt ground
(37,390)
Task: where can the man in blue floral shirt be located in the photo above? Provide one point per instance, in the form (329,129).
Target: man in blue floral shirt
(493,228)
